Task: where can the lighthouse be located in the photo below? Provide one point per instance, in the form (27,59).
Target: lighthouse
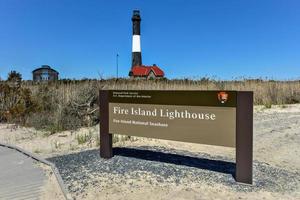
(138,70)
(136,39)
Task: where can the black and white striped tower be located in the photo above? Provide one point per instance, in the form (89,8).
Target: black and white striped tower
(136,39)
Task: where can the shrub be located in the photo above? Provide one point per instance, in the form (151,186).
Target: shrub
(268,105)
(81,139)
(15,104)
(14,78)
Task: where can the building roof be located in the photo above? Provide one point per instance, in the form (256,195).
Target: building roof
(45,67)
(145,70)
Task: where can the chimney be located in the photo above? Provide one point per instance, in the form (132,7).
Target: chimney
(136,39)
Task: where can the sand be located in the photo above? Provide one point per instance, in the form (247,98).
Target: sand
(51,189)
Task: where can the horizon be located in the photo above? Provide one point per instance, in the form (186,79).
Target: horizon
(211,39)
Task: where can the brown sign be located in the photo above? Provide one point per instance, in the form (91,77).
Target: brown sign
(196,124)
(221,118)
(165,97)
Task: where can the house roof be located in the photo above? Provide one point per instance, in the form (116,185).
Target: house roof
(145,70)
(45,67)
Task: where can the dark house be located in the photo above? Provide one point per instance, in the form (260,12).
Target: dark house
(44,73)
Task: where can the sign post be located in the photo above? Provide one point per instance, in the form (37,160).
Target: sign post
(105,137)
(223,118)
(244,137)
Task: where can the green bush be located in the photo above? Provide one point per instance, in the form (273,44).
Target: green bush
(268,105)
(82,139)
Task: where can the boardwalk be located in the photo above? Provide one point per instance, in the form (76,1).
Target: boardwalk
(20,178)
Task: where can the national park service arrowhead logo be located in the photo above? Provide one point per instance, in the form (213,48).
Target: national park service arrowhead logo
(223,97)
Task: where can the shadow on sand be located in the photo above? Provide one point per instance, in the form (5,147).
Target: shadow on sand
(201,163)
(154,155)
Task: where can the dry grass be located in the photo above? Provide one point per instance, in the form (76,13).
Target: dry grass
(265,91)
(71,104)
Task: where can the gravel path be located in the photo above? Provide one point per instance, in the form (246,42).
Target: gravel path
(168,166)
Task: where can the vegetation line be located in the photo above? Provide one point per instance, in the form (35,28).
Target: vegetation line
(71,104)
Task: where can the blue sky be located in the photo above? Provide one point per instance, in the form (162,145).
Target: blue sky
(186,38)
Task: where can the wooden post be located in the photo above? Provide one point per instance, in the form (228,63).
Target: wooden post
(244,137)
(105,137)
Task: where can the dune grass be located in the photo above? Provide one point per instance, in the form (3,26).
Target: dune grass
(71,104)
